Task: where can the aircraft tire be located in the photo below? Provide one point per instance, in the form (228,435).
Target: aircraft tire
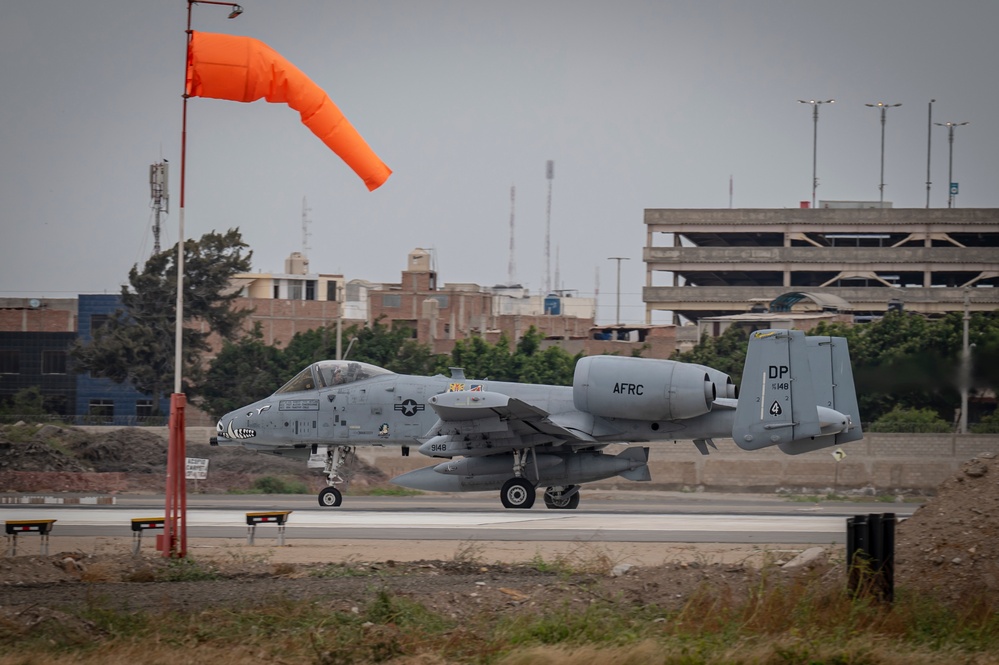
(330,497)
(517,493)
(570,503)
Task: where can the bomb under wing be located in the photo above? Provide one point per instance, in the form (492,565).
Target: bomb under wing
(490,473)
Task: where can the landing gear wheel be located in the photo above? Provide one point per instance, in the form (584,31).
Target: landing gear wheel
(330,497)
(562,498)
(517,493)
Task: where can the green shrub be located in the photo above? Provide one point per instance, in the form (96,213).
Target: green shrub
(275,485)
(987,425)
(910,420)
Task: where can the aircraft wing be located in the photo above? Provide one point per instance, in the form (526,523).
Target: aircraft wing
(486,423)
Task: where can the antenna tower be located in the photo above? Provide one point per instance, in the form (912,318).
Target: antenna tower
(511,271)
(160,194)
(550,174)
(558,286)
(306,233)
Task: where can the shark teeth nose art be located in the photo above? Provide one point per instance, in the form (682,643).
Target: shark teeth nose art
(240,432)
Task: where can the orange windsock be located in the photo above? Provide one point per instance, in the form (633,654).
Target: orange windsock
(243,69)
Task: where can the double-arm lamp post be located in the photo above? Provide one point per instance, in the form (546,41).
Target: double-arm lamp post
(950,159)
(884,110)
(815,137)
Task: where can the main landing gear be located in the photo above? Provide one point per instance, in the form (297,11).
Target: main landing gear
(337,457)
(562,497)
(517,493)
(520,493)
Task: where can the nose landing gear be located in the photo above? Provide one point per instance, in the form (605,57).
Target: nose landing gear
(337,457)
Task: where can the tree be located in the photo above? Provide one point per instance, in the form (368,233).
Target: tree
(527,364)
(242,372)
(482,360)
(137,343)
(725,353)
(908,360)
(553,366)
(25,402)
(987,425)
(377,344)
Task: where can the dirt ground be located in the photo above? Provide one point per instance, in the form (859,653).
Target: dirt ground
(452,577)
(948,549)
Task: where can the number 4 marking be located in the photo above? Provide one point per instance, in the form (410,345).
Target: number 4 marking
(775,409)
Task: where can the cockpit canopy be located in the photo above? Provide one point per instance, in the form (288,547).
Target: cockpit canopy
(330,374)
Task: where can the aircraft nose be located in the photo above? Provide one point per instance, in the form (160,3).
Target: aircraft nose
(235,425)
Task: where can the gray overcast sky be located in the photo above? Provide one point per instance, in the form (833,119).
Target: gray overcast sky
(640,105)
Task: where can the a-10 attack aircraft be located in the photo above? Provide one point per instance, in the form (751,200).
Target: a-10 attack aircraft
(797,393)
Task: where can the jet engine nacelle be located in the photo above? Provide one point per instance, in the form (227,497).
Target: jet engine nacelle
(641,388)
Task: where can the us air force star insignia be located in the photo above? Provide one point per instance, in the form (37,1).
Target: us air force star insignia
(775,409)
(409,407)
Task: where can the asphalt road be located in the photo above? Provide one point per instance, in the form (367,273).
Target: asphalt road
(640,517)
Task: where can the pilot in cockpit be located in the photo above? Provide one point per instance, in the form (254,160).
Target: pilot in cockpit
(338,377)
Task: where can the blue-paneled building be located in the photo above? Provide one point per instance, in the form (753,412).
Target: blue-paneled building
(103,400)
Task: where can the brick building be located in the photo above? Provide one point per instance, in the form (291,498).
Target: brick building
(439,315)
(290,302)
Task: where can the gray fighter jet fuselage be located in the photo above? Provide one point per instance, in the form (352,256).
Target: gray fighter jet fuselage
(515,437)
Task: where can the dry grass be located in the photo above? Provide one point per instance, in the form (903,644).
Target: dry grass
(779,620)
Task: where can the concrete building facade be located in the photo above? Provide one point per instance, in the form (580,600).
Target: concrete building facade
(710,263)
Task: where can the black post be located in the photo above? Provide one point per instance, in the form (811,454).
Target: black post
(870,555)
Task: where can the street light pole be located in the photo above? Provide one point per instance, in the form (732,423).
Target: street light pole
(175,522)
(965,365)
(929,145)
(884,108)
(950,158)
(815,138)
(618,259)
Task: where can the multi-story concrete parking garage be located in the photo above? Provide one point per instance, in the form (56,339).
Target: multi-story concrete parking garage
(702,263)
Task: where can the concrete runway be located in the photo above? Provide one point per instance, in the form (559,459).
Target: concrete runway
(611,517)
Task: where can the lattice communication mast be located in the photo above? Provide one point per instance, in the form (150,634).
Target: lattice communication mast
(160,195)
(306,233)
(550,174)
(511,270)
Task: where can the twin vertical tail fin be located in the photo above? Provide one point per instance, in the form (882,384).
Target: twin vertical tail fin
(797,393)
